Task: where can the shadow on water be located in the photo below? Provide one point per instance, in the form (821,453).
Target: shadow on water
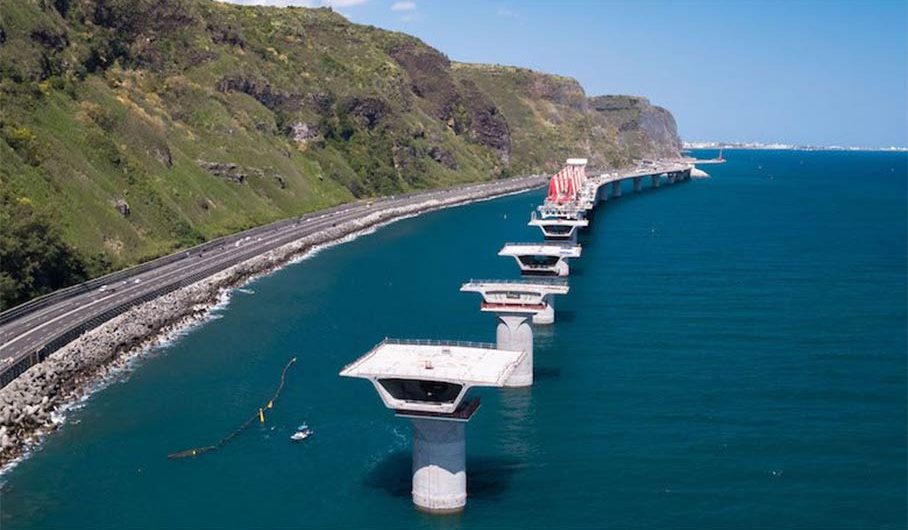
(392,474)
(487,476)
(545,373)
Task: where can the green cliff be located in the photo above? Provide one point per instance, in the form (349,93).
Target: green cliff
(131,128)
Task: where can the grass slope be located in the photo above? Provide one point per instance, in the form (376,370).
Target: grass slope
(131,128)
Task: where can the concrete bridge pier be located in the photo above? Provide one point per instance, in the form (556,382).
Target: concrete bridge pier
(428,382)
(547,315)
(603,193)
(655,180)
(616,188)
(671,178)
(516,303)
(638,184)
(439,465)
(515,334)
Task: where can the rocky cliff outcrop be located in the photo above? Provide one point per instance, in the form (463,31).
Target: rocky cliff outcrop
(642,128)
(551,118)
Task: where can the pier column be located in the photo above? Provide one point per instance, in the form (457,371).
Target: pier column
(515,334)
(638,184)
(562,268)
(671,178)
(616,188)
(603,192)
(547,315)
(439,465)
(572,238)
(655,180)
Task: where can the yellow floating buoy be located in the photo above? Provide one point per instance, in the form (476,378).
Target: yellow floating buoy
(260,415)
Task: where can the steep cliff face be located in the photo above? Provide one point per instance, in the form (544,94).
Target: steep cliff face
(459,104)
(642,129)
(135,127)
(551,118)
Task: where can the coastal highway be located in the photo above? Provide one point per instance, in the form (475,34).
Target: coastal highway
(24,335)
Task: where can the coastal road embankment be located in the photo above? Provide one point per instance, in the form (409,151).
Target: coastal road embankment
(33,335)
(94,328)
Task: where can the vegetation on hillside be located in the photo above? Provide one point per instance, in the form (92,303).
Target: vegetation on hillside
(131,128)
(34,259)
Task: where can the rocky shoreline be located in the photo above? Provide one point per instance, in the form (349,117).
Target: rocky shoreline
(30,405)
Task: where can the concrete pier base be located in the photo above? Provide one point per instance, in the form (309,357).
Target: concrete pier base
(514,333)
(655,180)
(563,269)
(439,466)
(547,315)
(638,184)
(616,189)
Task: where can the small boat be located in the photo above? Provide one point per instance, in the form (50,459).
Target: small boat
(302,432)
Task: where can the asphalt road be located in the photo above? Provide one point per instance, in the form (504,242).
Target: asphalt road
(28,333)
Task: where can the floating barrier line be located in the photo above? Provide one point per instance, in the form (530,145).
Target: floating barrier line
(259,415)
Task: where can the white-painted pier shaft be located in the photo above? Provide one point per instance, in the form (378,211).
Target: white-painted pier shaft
(542,259)
(428,382)
(516,303)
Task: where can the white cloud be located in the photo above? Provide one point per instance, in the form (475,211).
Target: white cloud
(505,12)
(403,6)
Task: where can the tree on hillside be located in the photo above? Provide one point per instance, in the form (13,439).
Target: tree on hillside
(34,259)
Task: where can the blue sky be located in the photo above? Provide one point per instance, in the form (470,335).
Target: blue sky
(820,73)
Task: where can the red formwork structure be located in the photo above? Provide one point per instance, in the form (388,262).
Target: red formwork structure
(561,188)
(567,183)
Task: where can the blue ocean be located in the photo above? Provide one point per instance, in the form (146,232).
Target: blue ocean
(732,354)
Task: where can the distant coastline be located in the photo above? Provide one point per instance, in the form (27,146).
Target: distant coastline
(786,147)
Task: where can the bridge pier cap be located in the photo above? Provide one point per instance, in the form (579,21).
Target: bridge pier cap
(428,382)
(533,297)
(558,228)
(542,259)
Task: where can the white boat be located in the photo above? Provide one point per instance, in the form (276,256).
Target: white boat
(303,432)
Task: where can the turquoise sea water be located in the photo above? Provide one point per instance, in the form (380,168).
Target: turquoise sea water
(732,354)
